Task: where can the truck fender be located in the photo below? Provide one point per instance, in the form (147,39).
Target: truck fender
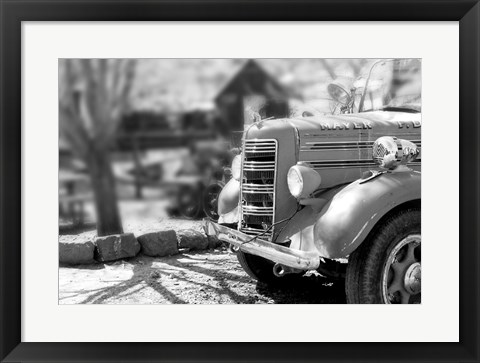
(229,197)
(340,222)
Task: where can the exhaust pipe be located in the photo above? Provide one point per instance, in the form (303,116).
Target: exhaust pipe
(280,270)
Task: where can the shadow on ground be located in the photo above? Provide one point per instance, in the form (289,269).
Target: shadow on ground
(309,290)
(213,277)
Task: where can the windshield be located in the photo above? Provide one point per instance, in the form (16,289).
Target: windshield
(393,85)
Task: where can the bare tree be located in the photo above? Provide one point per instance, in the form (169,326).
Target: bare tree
(357,65)
(94,95)
(328,68)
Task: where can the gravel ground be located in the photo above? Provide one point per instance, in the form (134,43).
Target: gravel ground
(207,277)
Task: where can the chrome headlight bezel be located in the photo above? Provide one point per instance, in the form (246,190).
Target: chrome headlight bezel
(302,180)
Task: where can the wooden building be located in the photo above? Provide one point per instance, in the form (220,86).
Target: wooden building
(252,94)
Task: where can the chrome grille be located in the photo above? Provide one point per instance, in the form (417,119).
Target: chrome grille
(257,175)
(258,186)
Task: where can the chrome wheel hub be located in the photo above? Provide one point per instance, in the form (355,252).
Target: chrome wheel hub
(413,278)
(402,274)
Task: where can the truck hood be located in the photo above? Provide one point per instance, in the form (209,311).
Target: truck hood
(357,121)
(339,147)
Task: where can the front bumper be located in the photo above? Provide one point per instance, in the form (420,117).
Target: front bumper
(297,259)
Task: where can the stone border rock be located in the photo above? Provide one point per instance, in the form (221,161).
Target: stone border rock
(120,246)
(116,247)
(76,253)
(159,244)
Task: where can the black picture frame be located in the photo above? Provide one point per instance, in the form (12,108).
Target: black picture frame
(13,12)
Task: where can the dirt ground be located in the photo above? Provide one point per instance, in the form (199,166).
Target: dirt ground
(206,277)
(192,277)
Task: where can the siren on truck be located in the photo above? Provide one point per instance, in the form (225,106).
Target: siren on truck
(389,152)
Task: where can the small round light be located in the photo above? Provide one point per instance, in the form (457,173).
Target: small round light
(237,167)
(302,181)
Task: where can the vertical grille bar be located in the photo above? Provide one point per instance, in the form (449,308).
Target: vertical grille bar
(259,167)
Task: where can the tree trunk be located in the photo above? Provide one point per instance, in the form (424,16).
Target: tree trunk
(138,167)
(103,184)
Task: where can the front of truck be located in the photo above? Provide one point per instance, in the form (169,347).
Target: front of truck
(286,163)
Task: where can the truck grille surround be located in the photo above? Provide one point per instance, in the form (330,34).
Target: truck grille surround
(259,166)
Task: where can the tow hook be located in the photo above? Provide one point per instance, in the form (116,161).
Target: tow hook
(280,270)
(233,249)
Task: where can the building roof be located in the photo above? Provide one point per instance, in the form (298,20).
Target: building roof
(248,80)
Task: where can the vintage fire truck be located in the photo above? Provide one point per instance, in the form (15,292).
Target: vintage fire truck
(312,192)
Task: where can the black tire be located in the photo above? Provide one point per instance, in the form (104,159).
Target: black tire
(210,201)
(366,264)
(189,201)
(261,270)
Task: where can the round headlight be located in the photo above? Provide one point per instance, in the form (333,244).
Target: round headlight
(302,181)
(236,167)
(339,92)
(389,152)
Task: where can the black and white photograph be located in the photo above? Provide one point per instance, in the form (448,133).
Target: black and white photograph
(239,181)
(202,181)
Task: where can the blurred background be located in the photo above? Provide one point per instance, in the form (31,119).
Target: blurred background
(145,139)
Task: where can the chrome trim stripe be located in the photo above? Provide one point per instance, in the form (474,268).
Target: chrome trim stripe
(260,141)
(350,164)
(340,161)
(344,161)
(259,147)
(259,163)
(349,148)
(258,169)
(258,188)
(346,142)
(253,209)
(254,151)
(343,145)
